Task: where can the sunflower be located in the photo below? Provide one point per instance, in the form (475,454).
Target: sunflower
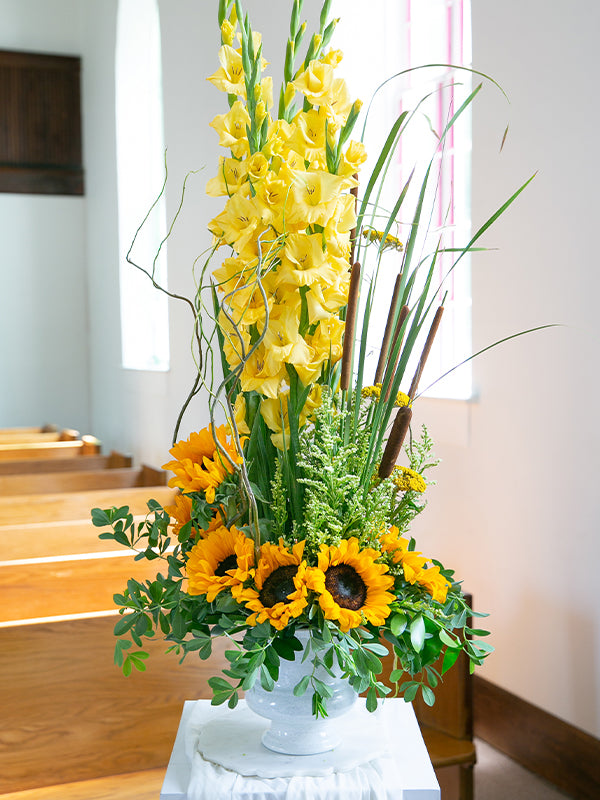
(414,565)
(181,514)
(281,590)
(224,560)
(411,561)
(350,585)
(199,465)
(434,583)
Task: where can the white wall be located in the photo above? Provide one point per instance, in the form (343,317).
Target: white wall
(43,367)
(515,509)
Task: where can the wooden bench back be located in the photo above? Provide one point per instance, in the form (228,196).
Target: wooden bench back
(80,480)
(75,463)
(14,451)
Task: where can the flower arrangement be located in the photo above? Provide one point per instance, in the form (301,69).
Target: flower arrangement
(292,511)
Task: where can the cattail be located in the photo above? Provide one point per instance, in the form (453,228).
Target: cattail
(351,308)
(404,311)
(388,331)
(426,349)
(354,191)
(395,442)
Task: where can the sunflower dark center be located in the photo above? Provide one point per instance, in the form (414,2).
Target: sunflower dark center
(228,563)
(278,585)
(346,586)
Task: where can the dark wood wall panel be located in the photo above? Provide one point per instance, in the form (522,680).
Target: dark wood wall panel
(40,123)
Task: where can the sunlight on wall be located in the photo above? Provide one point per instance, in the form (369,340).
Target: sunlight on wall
(396,37)
(140,165)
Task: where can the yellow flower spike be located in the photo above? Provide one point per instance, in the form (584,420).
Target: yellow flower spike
(332,57)
(352,158)
(308,135)
(257,166)
(239,409)
(239,224)
(231,128)
(340,104)
(257,376)
(227,32)
(303,261)
(230,75)
(315,83)
(315,196)
(230,178)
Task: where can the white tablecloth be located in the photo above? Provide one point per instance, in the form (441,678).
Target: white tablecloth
(218,756)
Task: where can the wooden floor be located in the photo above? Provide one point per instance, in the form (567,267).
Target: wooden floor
(144,785)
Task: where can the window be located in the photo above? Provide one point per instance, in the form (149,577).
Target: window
(140,167)
(390,38)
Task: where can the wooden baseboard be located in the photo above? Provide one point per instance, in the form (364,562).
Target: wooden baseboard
(557,751)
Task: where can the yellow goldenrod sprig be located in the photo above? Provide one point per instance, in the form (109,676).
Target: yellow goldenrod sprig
(389,243)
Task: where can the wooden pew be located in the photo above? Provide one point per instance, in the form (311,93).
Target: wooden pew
(13,451)
(113,460)
(37,435)
(67,712)
(24,509)
(76,480)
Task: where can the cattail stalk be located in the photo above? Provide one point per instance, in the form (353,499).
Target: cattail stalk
(354,191)
(395,441)
(404,311)
(351,309)
(388,331)
(426,350)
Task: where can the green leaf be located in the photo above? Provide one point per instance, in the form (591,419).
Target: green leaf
(218,684)
(417,633)
(100,519)
(398,624)
(266,681)
(450,657)
(428,695)
(371,701)
(301,687)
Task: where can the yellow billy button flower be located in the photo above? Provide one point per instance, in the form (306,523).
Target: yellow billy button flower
(407,480)
(198,464)
(224,560)
(280,580)
(351,586)
(402,399)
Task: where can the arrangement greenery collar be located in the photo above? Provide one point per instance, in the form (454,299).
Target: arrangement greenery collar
(293,513)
